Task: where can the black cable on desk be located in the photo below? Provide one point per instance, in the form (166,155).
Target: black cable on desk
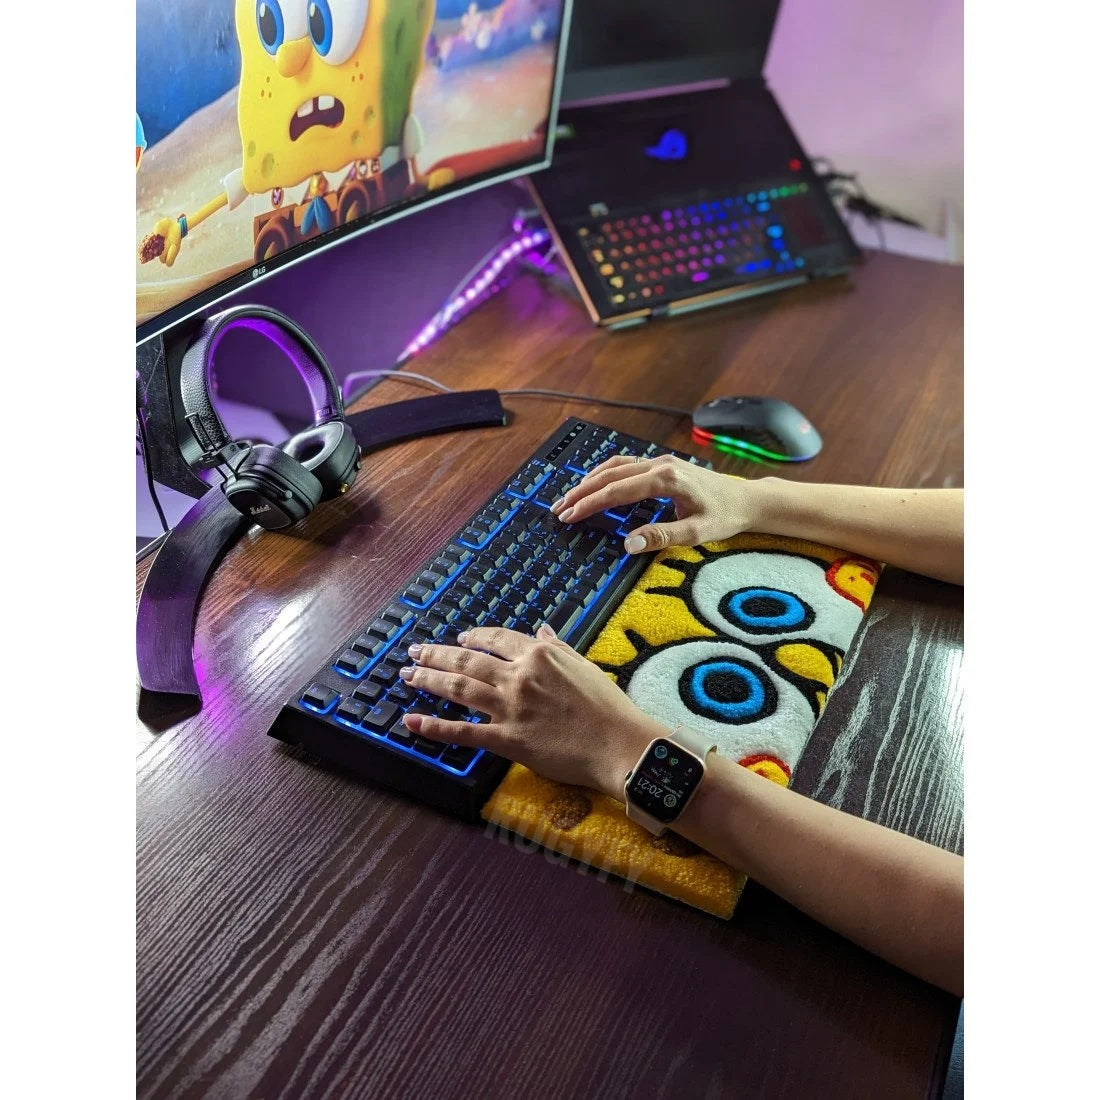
(144,439)
(670,410)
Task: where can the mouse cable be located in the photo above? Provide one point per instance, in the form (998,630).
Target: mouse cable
(671,410)
(410,376)
(523,217)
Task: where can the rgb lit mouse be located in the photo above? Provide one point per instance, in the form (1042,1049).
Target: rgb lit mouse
(762,428)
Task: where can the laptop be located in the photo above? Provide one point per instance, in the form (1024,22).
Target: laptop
(677,182)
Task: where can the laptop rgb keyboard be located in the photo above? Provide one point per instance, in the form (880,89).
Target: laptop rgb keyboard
(646,257)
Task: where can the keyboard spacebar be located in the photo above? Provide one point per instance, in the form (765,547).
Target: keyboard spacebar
(564,617)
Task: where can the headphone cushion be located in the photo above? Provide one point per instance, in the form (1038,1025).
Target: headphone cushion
(272,488)
(330,452)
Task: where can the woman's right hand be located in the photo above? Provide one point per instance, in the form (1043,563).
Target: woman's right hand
(709,505)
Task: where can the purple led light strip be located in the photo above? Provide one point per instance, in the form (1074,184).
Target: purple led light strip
(478,287)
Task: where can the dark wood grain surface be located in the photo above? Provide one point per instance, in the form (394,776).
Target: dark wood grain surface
(302,934)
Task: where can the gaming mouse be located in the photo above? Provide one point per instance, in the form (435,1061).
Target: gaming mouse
(756,427)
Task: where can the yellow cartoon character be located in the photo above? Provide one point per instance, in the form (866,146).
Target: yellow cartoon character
(325,100)
(741,640)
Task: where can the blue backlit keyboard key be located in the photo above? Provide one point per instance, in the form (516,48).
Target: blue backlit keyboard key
(510,563)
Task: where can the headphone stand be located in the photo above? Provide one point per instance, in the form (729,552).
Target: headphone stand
(174,584)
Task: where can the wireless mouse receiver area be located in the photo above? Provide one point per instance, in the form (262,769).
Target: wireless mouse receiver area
(762,428)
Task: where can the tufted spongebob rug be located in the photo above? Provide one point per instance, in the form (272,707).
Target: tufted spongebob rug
(741,640)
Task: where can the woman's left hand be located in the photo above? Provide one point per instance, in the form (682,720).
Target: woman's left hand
(550,708)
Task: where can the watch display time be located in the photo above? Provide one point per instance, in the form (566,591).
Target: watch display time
(664,780)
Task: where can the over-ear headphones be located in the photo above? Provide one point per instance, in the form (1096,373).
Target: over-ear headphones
(273,486)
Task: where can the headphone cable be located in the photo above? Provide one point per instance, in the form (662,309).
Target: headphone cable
(149,470)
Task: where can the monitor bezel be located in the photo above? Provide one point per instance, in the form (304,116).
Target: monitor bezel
(583,87)
(307,250)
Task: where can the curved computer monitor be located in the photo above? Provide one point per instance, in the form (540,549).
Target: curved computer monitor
(268,130)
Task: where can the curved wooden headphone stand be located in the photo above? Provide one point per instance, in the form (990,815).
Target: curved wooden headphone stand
(174,584)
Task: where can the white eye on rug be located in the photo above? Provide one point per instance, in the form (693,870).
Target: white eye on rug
(760,596)
(725,691)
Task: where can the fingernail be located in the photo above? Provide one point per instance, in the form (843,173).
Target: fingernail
(406,673)
(547,631)
(634,544)
(462,638)
(557,504)
(566,514)
(412,722)
(414,651)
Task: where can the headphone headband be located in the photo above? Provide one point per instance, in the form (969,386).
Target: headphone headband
(198,361)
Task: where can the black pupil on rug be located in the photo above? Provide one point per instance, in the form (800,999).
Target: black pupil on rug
(763,607)
(726,687)
(767,610)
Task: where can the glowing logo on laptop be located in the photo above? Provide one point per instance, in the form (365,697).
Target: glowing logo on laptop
(672,146)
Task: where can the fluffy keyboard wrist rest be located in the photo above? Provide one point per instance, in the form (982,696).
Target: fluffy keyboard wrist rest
(444,412)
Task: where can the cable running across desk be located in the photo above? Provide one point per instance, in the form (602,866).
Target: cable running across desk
(399,375)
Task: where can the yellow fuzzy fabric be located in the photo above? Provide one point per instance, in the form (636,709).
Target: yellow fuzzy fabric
(773,613)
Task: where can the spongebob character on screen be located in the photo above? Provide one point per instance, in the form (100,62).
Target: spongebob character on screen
(325,100)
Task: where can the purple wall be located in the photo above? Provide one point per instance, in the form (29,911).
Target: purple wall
(363,300)
(877,86)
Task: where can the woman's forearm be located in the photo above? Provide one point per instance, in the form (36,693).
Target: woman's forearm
(896,896)
(916,529)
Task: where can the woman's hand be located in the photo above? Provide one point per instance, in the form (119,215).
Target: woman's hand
(550,708)
(709,505)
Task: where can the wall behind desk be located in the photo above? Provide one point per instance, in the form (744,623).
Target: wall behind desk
(877,86)
(363,300)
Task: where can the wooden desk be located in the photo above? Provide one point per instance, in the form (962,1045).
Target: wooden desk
(302,934)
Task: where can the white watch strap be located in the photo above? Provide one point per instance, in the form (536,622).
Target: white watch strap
(651,824)
(696,743)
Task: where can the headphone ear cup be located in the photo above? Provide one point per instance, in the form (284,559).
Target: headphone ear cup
(328,450)
(272,489)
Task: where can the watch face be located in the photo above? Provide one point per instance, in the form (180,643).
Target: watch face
(664,780)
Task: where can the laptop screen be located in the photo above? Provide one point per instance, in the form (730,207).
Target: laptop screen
(619,50)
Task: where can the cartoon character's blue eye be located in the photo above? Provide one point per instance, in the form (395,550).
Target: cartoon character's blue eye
(336,27)
(320,25)
(727,690)
(269,24)
(766,610)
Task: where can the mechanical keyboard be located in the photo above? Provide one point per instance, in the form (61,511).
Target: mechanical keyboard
(511,564)
(697,245)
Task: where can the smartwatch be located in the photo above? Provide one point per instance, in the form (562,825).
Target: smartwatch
(661,784)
